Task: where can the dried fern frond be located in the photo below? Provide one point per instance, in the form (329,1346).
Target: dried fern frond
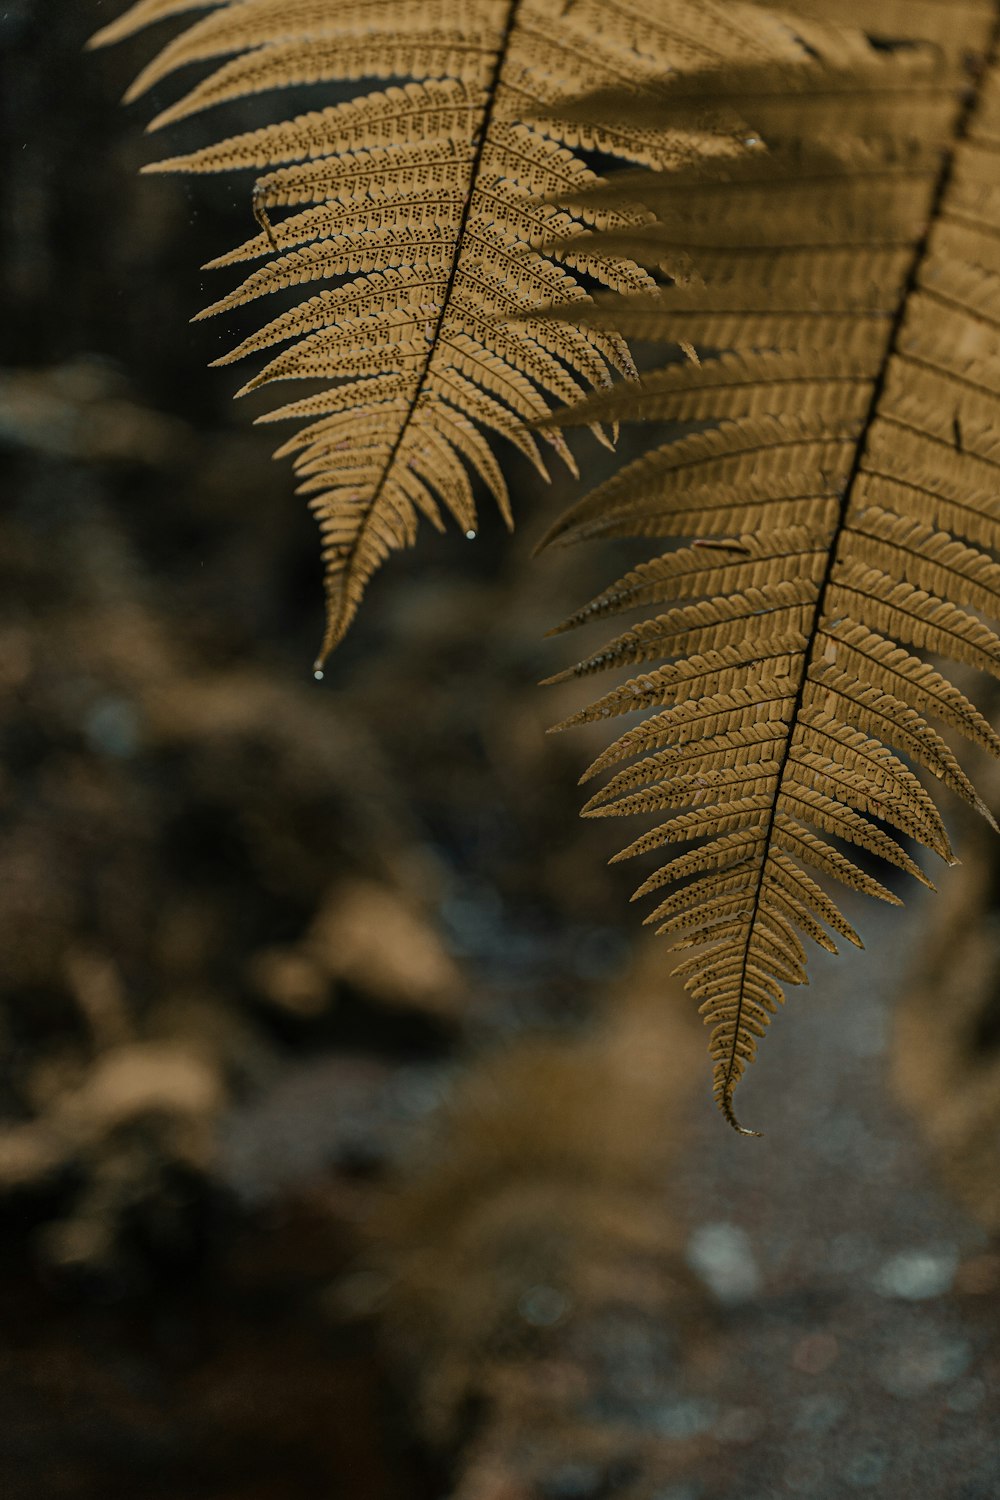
(837,513)
(421,209)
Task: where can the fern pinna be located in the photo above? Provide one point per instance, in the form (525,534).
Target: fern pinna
(426,206)
(839,295)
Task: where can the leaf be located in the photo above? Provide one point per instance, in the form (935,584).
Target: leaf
(835,514)
(417,227)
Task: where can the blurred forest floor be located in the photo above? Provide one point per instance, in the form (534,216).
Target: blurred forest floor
(352,1139)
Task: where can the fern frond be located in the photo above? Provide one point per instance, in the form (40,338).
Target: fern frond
(420,210)
(837,514)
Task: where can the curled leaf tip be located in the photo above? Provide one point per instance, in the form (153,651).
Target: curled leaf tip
(726,1104)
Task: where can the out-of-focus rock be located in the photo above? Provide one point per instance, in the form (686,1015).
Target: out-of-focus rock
(146,1079)
(370,936)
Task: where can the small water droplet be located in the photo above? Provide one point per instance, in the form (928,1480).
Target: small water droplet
(470,536)
(318,674)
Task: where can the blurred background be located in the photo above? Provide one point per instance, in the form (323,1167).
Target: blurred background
(353,1139)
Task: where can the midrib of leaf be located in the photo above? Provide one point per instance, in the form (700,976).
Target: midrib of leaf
(333,629)
(910,285)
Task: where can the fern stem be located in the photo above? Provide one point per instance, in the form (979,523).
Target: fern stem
(336,625)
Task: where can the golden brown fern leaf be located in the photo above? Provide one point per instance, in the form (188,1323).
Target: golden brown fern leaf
(838,509)
(425,205)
